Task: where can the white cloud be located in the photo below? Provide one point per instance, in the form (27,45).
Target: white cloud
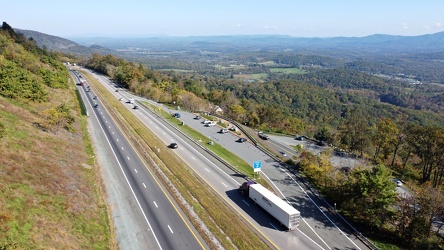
(439,25)
(405,26)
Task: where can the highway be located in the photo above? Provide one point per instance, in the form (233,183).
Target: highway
(165,226)
(317,230)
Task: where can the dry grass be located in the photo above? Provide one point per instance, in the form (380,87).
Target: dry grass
(228,227)
(48,200)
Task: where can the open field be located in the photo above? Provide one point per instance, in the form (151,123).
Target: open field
(261,76)
(287,70)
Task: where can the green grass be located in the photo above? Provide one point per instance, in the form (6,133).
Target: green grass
(259,76)
(287,70)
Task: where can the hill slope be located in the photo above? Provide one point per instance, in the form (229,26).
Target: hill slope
(48,193)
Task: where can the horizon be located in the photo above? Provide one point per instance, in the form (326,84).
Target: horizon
(295,18)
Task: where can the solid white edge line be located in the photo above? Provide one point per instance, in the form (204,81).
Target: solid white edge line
(170,229)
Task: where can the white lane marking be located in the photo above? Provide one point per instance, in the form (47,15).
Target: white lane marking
(117,139)
(163,133)
(122,148)
(207,170)
(246,202)
(224,184)
(144,185)
(106,121)
(112,132)
(132,190)
(193,158)
(157,127)
(128,158)
(170,229)
(109,126)
(314,242)
(155,203)
(273,226)
(135,170)
(313,204)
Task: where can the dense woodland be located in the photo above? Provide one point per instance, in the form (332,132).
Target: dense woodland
(396,125)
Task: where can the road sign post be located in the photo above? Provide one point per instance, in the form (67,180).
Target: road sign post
(257,165)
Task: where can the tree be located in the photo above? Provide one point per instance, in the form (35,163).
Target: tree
(428,143)
(324,134)
(384,138)
(372,194)
(353,131)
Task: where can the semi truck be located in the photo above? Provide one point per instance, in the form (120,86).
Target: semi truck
(286,214)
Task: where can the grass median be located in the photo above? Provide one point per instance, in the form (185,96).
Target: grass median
(225,224)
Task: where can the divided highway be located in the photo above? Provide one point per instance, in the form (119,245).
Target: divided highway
(317,231)
(165,226)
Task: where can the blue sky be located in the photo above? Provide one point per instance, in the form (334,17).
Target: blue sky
(308,18)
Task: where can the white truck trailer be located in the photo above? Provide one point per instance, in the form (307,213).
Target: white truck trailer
(286,214)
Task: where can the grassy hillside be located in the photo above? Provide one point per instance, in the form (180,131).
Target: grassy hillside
(50,196)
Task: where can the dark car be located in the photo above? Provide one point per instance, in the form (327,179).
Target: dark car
(136,107)
(242,140)
(177,115)
(300,138)
(197,117)
(117,90)
(96,105)
(173,145)
(321,143)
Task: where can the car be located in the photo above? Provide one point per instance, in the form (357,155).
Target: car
(223,130)
(120,99)
(96,105)
(173,145)
(321,143)
(95,97)
(282,153)
(197,117)
(299,138)
(242,140)
(136,107)
(117,90)
(177,115)
(398,183)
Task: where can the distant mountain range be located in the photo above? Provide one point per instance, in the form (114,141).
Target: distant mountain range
(423,43)
(55,43)
(373,43)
